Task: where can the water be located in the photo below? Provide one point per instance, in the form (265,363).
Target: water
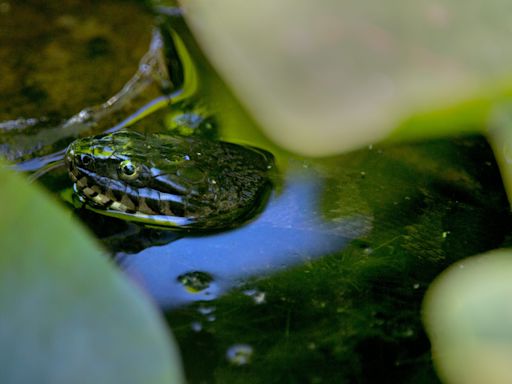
(335,265)
(288,232)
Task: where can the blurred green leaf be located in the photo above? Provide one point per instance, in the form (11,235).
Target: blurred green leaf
(468,316)
(322,77)
(66,315)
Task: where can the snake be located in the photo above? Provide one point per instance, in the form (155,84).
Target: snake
(170,181)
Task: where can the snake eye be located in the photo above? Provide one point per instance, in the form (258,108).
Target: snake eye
(86,160)
(128,170)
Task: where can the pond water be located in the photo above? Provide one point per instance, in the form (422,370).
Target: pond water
(325,283)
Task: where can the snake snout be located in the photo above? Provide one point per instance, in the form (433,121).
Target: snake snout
(69,161)
(69,156)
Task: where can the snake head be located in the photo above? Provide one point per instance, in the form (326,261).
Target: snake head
(167,180)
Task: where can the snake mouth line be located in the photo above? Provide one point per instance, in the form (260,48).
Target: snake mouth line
(106,198)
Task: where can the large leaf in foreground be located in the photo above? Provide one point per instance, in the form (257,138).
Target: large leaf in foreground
(66,316)
(327,76)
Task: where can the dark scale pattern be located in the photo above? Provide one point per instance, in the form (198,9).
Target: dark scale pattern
(211,184)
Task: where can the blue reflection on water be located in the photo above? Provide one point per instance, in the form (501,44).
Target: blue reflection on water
(290,231)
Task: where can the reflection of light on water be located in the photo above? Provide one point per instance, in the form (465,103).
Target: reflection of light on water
(290,231)
(196,326)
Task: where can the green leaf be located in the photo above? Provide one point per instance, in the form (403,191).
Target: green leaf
(322,77)
(468,315)
(67,316)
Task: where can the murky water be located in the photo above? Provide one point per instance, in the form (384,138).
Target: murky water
(325,283)
(289,232)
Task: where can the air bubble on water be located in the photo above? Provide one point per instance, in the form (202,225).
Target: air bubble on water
(239,354)
(196,326)
(416,286)
(195,281)
(205,310)
(258,297)
(368,250)
(211,318)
